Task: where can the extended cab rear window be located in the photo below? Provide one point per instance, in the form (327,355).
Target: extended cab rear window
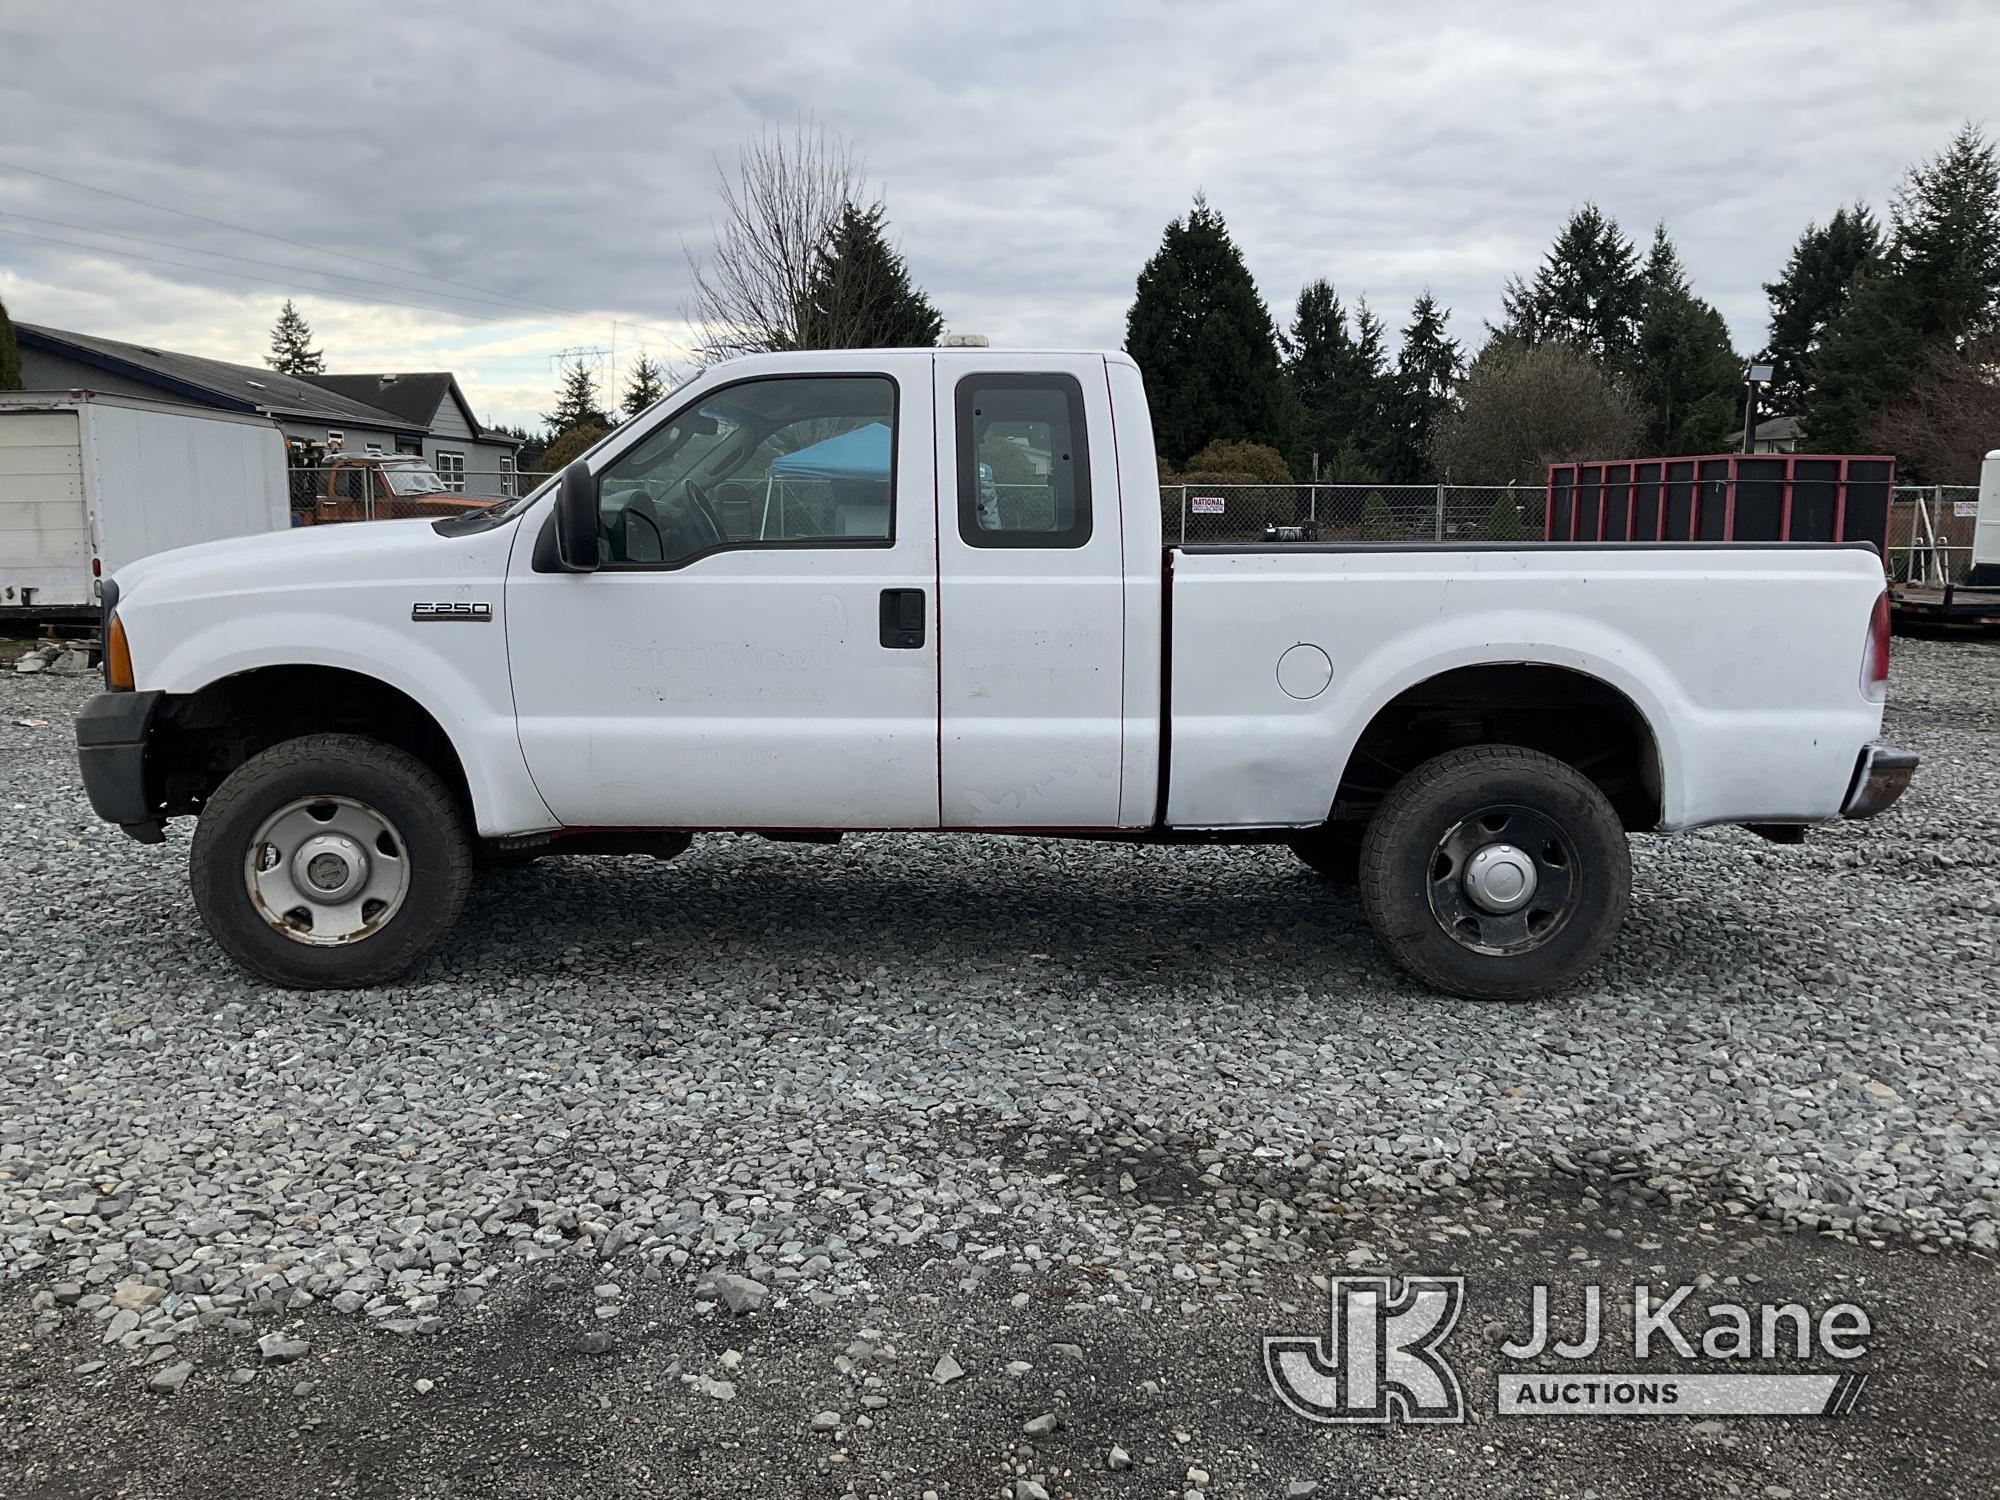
(1023,462)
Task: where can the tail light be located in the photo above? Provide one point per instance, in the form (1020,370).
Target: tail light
(1875,655)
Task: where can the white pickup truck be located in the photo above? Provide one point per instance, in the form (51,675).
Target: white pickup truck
(926,590)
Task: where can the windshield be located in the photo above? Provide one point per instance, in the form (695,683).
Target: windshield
(668,456)
(413,479)
(506,510)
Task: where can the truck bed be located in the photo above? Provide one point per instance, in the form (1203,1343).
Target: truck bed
(1280,655)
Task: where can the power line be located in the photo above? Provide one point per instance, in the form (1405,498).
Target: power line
(491,299)
(450,312)
(282,239)
(251,260)
(648,327)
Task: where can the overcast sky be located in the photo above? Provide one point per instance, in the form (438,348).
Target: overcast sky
(1030,154)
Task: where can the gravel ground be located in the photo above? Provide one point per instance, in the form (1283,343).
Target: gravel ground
(957,1082)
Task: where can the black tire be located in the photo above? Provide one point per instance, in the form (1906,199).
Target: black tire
(401,789)
(1332,851)
(1414,865)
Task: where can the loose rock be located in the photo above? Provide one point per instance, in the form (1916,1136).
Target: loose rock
(279,1350)
(172,1378)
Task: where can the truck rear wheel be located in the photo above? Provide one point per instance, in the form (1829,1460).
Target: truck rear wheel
(1495,872)
(330,862)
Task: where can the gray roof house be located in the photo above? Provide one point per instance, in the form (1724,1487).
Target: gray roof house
(1774,435)
(431,400)
(354,413)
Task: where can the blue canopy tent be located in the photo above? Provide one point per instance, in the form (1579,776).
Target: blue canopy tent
(855,465)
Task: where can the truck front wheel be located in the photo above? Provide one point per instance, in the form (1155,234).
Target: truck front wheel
(330,862)
(1495,872)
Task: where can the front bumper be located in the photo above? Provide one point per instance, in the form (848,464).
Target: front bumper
(1881,775)
(111,748)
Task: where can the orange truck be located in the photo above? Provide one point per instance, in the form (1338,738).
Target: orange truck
(374,487)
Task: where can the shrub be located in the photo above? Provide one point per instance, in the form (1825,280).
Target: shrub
(1504,522)
(570,446)
(1257,463)
(1526,408)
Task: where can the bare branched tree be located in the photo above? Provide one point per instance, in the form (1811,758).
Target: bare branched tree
(1942,426)
(779,214)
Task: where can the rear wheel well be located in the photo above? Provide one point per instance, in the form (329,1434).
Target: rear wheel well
(1572,716)
(202,736)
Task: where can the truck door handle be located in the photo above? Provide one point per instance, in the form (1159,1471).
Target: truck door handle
(902,619)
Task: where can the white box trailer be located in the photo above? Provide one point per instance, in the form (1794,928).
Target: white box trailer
(90,483)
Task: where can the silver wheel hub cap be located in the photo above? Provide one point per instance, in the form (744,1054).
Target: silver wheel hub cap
(327,870)
(1500,878)
(329,867)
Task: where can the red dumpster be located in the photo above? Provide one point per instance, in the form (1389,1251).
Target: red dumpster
(1723,497)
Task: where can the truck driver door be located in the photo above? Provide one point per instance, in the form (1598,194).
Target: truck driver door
(759,649)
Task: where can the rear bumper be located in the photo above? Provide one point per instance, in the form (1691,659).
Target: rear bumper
(1881,775)
(111,749)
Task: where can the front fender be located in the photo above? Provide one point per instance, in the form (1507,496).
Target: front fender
(457,672)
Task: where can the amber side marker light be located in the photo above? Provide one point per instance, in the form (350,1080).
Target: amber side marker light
(117,658)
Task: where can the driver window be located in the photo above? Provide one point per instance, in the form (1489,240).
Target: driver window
(781,462)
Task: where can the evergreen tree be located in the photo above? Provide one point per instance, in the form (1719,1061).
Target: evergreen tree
(643,386)
(1504,522)
(1338,381)
(1870,354)
(1363,407)
(1318,357)
(1204,339)
(1818,278)
(1586,292)
(292,352)
(1349,465)
(10,354)
(1945,220)
(1684,371)
(1936,289)
(576,403)
(1428,370)
(861,296)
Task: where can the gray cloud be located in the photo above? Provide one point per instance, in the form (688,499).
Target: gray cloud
(1030,157)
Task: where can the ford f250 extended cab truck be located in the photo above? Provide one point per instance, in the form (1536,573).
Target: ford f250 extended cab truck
(925,590)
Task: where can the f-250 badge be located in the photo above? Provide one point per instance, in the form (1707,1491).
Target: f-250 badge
(457,609)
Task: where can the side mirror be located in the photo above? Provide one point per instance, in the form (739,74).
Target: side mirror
(576,519)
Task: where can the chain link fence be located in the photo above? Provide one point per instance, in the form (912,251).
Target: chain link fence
(1930,533)
(347,490)
(1244,513)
